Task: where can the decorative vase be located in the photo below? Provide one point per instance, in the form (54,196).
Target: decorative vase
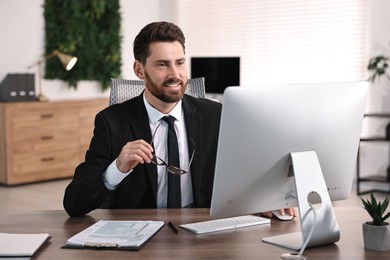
(376,237)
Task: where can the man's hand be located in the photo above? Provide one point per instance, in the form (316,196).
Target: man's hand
(133,153)
(289,211)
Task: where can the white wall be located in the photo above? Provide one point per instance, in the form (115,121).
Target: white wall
(22,42)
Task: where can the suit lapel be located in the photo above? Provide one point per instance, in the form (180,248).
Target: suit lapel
(194,126)
(139,122)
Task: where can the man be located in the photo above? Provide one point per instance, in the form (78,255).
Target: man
(126,165)
(117,172)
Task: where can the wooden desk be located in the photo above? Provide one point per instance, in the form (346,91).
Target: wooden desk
(242,243)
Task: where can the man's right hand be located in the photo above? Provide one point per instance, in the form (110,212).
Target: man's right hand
(133,153)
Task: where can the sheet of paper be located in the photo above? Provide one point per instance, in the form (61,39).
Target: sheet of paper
(21,244)
(105,233)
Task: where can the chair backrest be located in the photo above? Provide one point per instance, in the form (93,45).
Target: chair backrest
(125,89)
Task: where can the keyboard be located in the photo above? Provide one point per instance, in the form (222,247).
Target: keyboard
(225,224)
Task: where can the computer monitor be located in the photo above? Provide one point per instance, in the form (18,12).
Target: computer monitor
(280,144)
(219,72)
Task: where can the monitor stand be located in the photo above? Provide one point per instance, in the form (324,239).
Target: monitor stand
(309,180)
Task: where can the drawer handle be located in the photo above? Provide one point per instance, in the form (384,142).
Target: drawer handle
(47,137)
(46,115)
(47,159)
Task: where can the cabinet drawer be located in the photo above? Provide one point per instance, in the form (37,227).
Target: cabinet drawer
(39,176)
(26,140)
(56,160)
(39,118)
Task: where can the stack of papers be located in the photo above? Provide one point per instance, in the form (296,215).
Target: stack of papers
(125,235)
(21,245)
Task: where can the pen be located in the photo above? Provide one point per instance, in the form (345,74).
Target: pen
(172,227)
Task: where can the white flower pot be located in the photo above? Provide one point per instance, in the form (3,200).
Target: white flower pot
(376,237)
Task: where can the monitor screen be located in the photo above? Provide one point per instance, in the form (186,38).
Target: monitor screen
(219,72)
(261,126)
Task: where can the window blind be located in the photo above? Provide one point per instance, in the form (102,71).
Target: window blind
(280,41)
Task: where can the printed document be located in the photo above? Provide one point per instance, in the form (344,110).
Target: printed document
(115,234)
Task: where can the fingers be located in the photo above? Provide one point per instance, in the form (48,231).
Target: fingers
(134,153)
(267,214)
(289,211)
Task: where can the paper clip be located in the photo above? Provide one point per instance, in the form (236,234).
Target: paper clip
(102,245)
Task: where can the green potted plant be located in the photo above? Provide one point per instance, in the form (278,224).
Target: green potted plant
(376,233)
(378,66)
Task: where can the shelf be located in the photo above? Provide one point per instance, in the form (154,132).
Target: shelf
(376,178)
(374,138)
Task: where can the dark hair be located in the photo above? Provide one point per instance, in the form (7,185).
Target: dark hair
(156,32)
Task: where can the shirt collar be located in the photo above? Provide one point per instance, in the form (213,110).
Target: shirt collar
(155,115)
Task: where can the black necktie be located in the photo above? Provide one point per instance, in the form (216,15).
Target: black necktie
(174,190)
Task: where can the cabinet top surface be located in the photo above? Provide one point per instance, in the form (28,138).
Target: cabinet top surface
(54,103)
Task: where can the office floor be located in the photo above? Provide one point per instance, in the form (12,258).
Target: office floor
(45,195)
(49,195)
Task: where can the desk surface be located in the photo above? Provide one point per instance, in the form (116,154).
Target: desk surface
(244,243)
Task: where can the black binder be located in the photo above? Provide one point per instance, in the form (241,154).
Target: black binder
(17,87)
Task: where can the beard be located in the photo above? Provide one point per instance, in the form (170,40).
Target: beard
(162,92)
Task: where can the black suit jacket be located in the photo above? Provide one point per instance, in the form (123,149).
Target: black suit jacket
(128,121)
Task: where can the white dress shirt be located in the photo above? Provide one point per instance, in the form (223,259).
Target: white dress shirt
(112,176)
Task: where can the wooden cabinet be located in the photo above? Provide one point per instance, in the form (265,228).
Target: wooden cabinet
(44,140)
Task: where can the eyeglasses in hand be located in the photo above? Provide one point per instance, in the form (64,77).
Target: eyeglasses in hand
(171,168)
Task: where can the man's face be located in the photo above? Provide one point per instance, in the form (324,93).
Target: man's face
(165,71)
